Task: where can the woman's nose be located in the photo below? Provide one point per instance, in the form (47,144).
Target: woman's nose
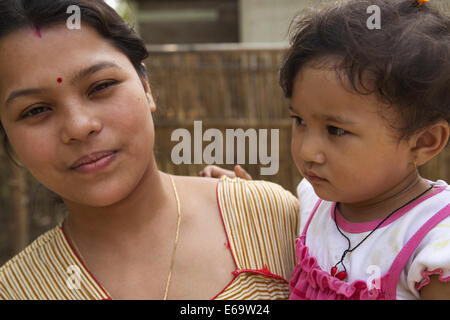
(79,123)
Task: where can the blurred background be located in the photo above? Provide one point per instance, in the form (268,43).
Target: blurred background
(210,60)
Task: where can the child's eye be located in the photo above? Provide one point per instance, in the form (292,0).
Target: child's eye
(298,121)
(33,112)
(335,131)
(102,86)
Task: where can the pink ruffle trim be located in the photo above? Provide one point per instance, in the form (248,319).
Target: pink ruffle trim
(426,278)
(310,282)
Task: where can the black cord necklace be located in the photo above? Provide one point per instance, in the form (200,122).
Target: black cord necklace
(343,274)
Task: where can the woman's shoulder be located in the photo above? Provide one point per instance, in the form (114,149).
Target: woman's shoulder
(35,247)
(197,193)
(17,273)
(271,189)
(235,192)
(48,269)
(258,207)
(199,187)
(262,222)
(260,193)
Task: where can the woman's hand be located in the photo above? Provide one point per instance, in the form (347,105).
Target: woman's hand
(217,172)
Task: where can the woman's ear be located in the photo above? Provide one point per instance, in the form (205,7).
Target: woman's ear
(148,94)
(148,91)
(429,142)
(150,100)
(11,154)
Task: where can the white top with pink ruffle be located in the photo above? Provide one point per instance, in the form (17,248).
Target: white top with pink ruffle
(375,256)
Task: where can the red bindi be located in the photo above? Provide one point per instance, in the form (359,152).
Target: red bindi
(59,80)
(37,31)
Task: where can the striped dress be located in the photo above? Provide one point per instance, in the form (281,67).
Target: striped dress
(261,222)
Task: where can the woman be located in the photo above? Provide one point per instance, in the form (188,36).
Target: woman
(75,110)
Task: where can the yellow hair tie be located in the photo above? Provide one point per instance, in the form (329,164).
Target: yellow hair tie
(421,2)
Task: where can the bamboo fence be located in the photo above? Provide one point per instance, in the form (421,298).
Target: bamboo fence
(226,86)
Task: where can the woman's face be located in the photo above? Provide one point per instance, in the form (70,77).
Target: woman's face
(66,94)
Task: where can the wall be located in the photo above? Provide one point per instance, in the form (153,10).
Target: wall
(268,20)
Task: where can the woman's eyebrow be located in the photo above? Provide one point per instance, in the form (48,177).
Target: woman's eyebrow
(78,76)
(24,92)
(93,69)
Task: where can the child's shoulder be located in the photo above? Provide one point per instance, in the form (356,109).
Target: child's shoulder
(436,206)
(434,210)
(444,187)
(305,193)
(438,200)
(307,200)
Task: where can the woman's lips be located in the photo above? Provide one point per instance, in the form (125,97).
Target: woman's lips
(94,162)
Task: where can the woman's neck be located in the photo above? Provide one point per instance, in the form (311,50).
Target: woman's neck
(128,218)
(386,202)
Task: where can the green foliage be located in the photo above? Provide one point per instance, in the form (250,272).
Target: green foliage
(125,9)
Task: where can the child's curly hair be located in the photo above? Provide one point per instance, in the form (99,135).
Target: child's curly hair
(407,60)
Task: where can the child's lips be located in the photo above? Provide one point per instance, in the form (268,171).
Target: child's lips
(311,176)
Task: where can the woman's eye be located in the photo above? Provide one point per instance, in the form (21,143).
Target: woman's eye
(102,87)
(298,121)
(33,112)
(335,131)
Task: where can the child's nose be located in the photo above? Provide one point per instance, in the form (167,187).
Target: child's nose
(309,149)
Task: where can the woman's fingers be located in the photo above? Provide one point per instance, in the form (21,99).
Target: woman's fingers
(213,171)
(241,173)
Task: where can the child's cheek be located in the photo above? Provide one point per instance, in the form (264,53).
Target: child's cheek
(295,152)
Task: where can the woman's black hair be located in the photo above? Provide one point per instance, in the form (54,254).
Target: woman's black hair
(19,14)
(406,62)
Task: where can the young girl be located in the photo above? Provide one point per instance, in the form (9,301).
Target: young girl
(369,107)
(76,111)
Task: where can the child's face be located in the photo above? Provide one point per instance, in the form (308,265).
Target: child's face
(340,142)
(105,110)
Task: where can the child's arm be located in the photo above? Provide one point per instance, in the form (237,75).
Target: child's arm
(436,290)
(429,271)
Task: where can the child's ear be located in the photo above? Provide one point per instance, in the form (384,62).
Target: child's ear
(428,142)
